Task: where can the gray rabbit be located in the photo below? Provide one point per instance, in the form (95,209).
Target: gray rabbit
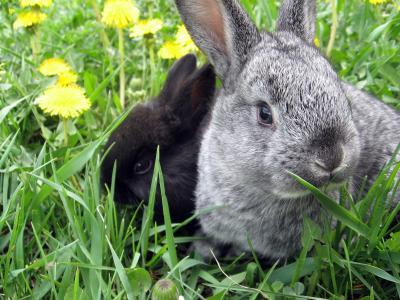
(282,108)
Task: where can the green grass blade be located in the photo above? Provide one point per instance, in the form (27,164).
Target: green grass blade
(121,272)
(335,209)
(376,271)
(167,219)
(148,219)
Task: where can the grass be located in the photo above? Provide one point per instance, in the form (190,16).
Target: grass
(62,238)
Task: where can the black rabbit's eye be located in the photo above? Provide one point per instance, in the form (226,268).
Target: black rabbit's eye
(143,166)
(265,115)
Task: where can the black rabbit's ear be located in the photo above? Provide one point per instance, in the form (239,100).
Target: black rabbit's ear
(193,100)
(202,91)
(178,75)
(299,17)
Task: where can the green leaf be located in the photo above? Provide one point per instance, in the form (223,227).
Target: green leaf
(285,273)
(251,271)
(10,143)
(72,294)
(376,271)
(394,242)
(148,217)
(390,74)
(380,30)
(335,209)
(277,286)
(167,218)
(234,279)
(217,296)
(5,110)
(140,281)
(101,87)
(121,273)
(310,231)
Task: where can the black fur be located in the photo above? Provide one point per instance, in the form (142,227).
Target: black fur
(173,121)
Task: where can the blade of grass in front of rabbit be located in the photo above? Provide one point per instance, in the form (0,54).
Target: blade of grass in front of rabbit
(149,211)
(335,209)
(167,221)
(307,242)
(378,211)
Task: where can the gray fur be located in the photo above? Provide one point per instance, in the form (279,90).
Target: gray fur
(298,16)
(243,165)
(225,24)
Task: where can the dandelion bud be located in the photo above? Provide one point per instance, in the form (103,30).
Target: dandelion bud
(165,289)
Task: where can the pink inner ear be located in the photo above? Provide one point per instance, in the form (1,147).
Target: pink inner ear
(210,17)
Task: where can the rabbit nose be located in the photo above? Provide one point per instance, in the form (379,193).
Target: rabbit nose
(331,170)
(331,160)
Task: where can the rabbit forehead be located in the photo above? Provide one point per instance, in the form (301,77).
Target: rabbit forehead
(286,58)
(284,68)
(285,77)
(147,126)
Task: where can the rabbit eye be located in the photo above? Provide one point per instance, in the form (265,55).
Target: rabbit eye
(265,115)
(143,166)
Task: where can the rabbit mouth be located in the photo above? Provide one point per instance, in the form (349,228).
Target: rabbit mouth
(332,186)
(291,194)
(301,192)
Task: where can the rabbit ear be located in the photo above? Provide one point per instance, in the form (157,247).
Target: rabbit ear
(193,100)
(203,87)
(299,17)
(178,75)
(202,93)
(222,30)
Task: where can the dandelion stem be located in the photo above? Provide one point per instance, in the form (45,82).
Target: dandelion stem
(65,125)
(37,39)
(152,68)
(103,35)
(33,45)
(333,29)
(122,68)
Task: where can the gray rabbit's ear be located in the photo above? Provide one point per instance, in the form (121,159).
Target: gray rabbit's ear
(222,30)
(299,17)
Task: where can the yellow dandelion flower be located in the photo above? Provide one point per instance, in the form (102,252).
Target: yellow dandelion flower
(64,101)
(143,27)
(182,45)
(183,39)
(317,43)
(54,66)
(376,2)
(40,3)
(67,78)
(119,13)
(171,50)
(30,18)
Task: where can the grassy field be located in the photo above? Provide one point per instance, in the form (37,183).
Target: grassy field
(61,237)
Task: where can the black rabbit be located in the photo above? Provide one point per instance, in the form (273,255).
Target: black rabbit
(173,120)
